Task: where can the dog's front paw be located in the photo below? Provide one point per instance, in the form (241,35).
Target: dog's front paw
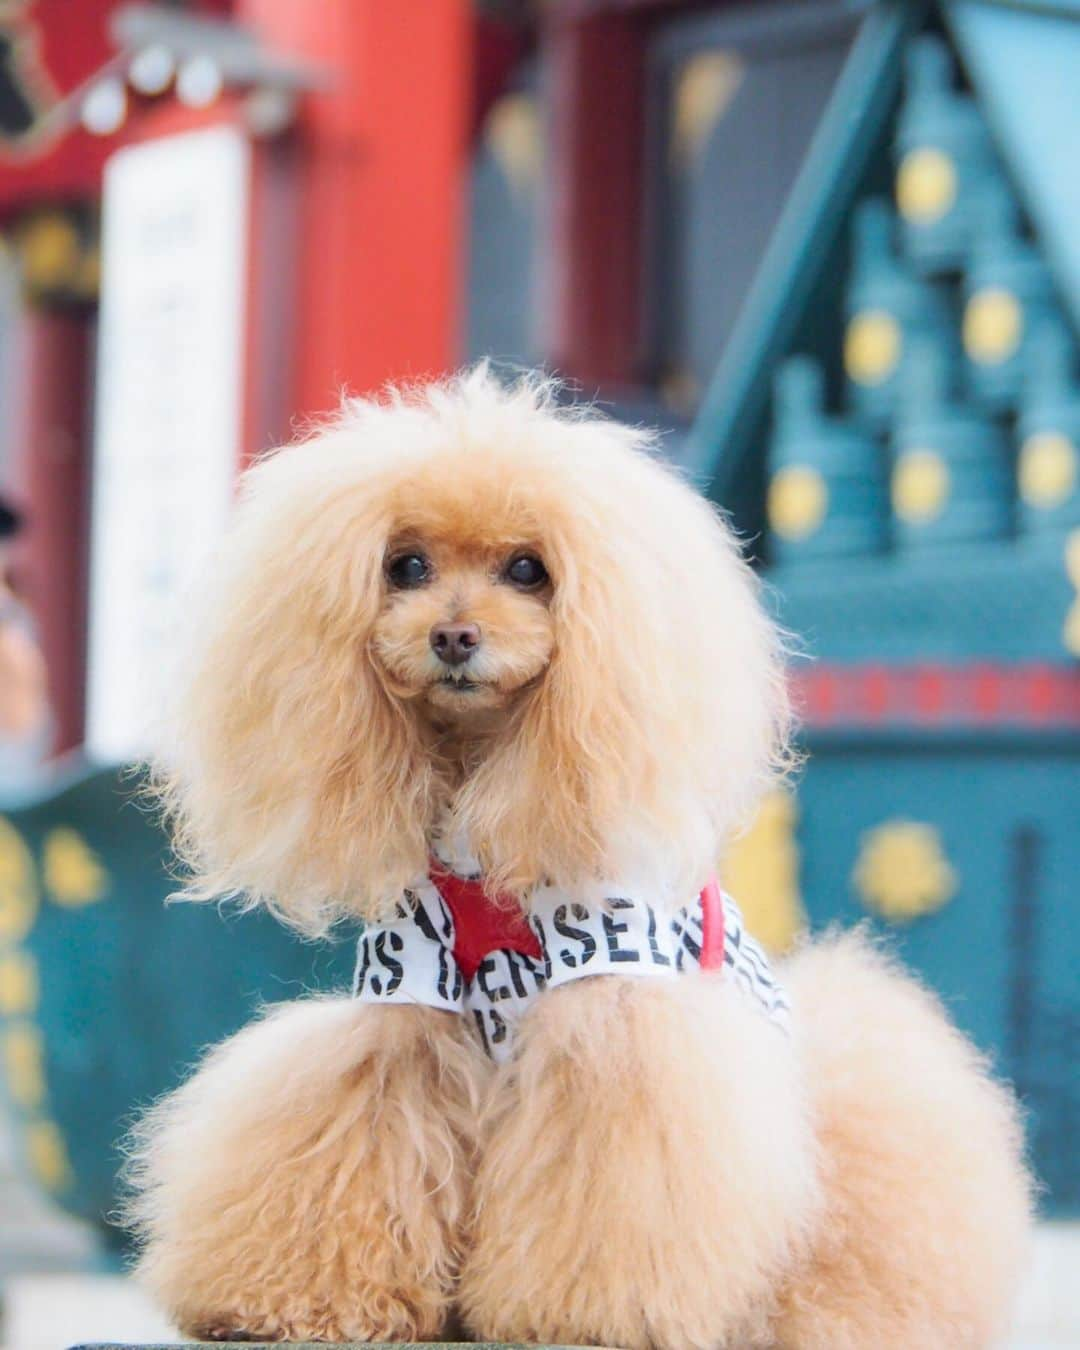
(227,1328)
(353,1315)
(647,1170)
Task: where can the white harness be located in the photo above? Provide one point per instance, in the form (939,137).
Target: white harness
(411,958)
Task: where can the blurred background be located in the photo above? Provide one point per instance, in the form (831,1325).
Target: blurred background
(830,247)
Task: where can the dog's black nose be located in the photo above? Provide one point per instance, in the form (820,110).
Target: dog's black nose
(454,643)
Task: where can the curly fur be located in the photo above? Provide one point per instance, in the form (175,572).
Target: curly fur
(664,1219)
(310,1181)
(656,1165)
(924,1233)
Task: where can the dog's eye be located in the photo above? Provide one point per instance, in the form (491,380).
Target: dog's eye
(408,570)
(527,572)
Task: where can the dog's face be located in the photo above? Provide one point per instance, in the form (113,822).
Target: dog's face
(465,624)
(467,609)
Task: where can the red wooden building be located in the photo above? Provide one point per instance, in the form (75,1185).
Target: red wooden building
(383,191)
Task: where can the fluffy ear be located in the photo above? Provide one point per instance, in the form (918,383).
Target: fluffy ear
(663,714)
(292,778)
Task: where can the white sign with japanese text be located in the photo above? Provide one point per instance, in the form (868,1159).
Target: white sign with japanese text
(169,410)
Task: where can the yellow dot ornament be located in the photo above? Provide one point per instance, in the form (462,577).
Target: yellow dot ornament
(1047,473)
(74,875)
(47,1154)
(1071,632)
(51,251)
(19,986)
(993,326)
(925,185)
(872,346)
(902,872)
(762,869)
(19,895)
(798,500)
(920,486)
(24,1064)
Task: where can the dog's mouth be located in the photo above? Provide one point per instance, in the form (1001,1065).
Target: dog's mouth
(459,684)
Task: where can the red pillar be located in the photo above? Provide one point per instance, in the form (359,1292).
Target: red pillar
(50,479)
(596,64)
(380,175)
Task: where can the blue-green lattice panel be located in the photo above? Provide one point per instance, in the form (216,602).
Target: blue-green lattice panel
(1004,951)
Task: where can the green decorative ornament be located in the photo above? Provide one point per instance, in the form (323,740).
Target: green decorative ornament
(943,155)
(951,477)
(826,493)
(1008,294)
(887,308)
(1048,432)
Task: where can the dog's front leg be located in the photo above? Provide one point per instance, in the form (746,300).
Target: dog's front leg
(310,1181)
(647,1171)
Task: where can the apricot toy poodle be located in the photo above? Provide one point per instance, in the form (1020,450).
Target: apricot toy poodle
(486,673)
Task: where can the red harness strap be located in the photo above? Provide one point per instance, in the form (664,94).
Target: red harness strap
(483,924)
(712,926)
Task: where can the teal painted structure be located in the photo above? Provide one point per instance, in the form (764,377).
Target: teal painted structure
(1003,950)
(944,687)
(107,994)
